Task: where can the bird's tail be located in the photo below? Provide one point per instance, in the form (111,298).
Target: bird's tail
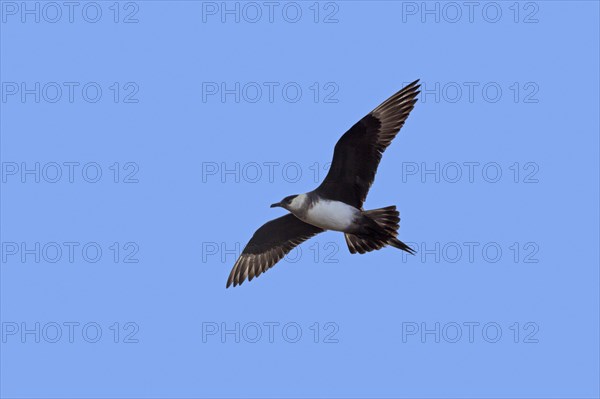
(381,230)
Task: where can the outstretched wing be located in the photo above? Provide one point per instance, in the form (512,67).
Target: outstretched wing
(268,245)
(358,152)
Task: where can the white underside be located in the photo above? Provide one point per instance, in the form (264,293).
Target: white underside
(332,215)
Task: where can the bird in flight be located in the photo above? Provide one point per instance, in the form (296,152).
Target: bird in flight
(337,204)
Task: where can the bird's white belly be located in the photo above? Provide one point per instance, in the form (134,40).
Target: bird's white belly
(331,215)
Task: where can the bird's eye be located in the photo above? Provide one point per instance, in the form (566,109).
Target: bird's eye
(289,201)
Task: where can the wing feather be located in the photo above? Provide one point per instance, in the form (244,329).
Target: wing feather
(269,244)
(358,152)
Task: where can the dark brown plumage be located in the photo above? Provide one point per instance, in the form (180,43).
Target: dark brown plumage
(358,152)
(355,160)
(268,245)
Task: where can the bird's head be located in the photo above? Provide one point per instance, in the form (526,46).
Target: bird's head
(291,203)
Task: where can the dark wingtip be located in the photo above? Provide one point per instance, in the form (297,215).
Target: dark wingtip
(413,87)
(231,278)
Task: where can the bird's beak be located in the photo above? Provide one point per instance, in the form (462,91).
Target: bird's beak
(275,205)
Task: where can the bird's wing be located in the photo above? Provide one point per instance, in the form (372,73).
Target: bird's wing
(268,245)
(358,152)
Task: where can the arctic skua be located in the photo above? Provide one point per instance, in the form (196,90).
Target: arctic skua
(337,204)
